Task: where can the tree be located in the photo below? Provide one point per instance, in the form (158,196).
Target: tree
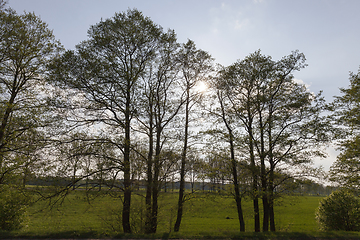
(240,91)
(222,111)
(26,46)
(158,107)
(281,121)
(339,211)
(195,64)
(234,162)
(345,170)
(105,72)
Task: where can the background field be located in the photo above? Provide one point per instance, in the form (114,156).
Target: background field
(205,215)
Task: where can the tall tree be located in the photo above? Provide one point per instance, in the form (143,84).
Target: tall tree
(282,120)
(195,65)
(221,110)
(240,90)
(158,108)
(105,71)
(26,46)
(234,162)
(345,170)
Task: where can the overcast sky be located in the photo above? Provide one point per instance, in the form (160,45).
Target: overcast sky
(326,31)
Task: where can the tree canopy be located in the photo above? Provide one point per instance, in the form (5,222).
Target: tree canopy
(26,46)
(278,121)
(345,170)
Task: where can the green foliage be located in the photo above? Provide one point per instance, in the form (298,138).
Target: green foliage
(26,45)
(339,211)
(344,170)
(12,208)
(345,108)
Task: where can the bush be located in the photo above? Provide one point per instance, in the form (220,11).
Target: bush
(12,208)
(339,211)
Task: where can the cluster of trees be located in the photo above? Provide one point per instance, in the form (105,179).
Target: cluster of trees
(126,107)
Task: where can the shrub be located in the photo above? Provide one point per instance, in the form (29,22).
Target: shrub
(339,211)
(12,208)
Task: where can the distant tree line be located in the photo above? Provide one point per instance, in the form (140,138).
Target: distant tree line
(128,110)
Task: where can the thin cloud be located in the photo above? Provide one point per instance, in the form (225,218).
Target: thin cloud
(227,16)
(241,24)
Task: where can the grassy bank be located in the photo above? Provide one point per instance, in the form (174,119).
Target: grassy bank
(206,216)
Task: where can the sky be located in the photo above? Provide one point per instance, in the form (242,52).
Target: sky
(326,31)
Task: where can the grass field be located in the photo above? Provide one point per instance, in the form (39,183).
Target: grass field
(206,216)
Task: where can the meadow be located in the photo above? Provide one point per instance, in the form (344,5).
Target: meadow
(206,216)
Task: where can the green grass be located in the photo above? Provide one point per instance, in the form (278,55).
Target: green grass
(206,216)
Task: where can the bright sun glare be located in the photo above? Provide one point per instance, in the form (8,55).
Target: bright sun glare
(201,87)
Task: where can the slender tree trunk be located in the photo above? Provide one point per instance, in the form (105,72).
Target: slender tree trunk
(127,176)
(256,207)
(181,197)
(271,199)
(236,188)
(182,168)
(155,195)
(127,197)
(263,177)
(265,202)
(271,174)
(254,181)
(149,186)
(156,186)
(272,215)
(234,168)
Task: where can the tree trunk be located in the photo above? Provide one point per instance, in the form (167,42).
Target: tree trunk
(271,198)
(182,170)
(234,169)
(127,199)
(155,194)
(256,210)
(264,194)
(263,177)
(149,180)
(265,203)
(156,187)
(272,215)
(271,175)
(237,194)
(149,186)
(181,197)
(254,189)
(127,176)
